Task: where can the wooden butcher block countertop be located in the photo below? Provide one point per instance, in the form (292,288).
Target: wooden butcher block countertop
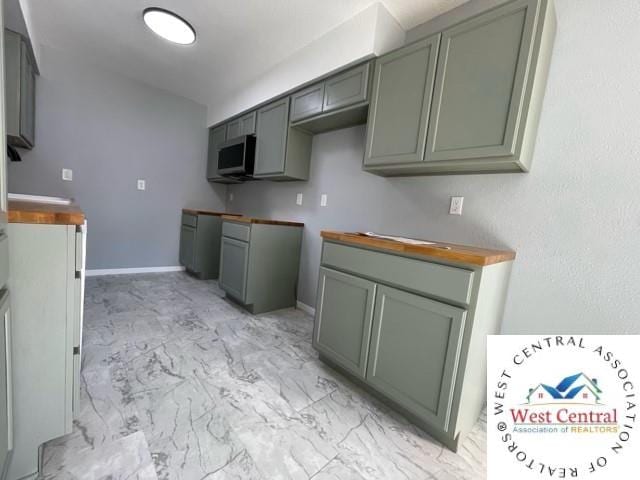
(262,221)
(21,211)
(200,211)
(445,251)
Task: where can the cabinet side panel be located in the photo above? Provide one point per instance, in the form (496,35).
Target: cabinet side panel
(12,82)
(274,260)
(537,86)
(39,284)
(487,319)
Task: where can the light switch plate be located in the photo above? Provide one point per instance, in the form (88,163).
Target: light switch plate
(299,199)
(323,200)
(142,185)
(67,174)
(231,196)
(456,206)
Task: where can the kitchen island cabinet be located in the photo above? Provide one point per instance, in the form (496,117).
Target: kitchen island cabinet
(200,234)
(409,323)
(259,262)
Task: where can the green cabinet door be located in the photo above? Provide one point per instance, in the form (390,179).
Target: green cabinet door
(271,138)
(216,137)
(188,247)
(348,88)
(234,129)
(248,124)
(307,102)
(234,261)
(6,394)
(415,346)
(343,319)
(480,84)
(27,97)
(400,103)
(20,84)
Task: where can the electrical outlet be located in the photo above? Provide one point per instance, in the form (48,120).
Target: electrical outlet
(456,206)
(142,185)
(323,200)
(299,199)
(67,174)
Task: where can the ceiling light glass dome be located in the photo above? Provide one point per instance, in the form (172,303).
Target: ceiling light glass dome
(169,26)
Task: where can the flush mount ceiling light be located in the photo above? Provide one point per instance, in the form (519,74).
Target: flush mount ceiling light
(169,26)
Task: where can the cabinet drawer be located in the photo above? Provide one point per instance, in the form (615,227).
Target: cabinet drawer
(190,220)
(347,88)
(237,231)
(417,275)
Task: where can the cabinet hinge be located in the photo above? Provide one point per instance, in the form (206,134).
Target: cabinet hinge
(77,274)
(76,350)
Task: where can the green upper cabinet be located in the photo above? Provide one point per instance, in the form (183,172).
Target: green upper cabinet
(245,125)
(481,112)
(234,129)
(217,135)
(343,323)
(307,102)
(400,102)
(20,90)
(480,85)
(282,153)
(348,88)
(415,347)
(271,138)
(339,101)
(248,124)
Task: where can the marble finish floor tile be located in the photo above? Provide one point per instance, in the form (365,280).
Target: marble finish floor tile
(178,383)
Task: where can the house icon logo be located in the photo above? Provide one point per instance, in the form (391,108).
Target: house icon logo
(576,389)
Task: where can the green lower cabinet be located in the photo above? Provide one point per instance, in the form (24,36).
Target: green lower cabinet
(259,264)
(415,346)
(419,344)
(6,410)
(343,325)
(200,244)
(187,247)
(233,267)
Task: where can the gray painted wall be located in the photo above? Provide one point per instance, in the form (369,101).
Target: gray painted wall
(112,130)
(574,220)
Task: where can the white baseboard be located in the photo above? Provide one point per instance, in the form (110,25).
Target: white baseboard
(129,271)
(306,308)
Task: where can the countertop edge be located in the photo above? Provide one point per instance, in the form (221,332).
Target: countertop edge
(463,254)
(44,213)
(262,221)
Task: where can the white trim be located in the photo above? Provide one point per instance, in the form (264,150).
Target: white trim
(129,271)
(306,308)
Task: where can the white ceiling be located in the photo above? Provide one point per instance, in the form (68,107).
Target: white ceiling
(237,39)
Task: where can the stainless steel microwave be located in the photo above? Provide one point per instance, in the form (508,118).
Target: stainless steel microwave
(236,157)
